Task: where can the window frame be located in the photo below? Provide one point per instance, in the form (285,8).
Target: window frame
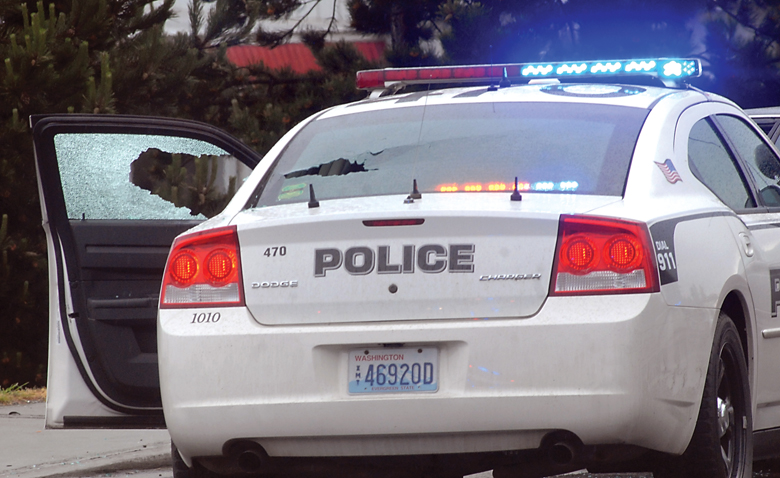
(738,163)
(742,163)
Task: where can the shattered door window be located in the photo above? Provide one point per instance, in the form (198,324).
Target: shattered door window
(127,176)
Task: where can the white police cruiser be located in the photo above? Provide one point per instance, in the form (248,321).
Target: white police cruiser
(532,277)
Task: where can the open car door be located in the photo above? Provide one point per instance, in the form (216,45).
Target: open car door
(115,192)
(769,121)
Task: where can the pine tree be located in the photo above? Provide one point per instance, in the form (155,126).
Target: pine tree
(738,40)
(409,23)
(742,50)
(57,59)
(47,69)
(100,56)
(268,103)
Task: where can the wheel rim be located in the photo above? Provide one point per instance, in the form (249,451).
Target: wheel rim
(729,410)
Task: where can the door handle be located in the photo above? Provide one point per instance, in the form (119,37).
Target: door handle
(747,244)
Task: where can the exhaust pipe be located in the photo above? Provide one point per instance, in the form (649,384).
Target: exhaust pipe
(249,456)
(562,447)
(561,453)
(251,461)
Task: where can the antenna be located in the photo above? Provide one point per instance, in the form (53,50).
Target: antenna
(504,80)
(516,193)
(312,200)
(493,87)
(415,192)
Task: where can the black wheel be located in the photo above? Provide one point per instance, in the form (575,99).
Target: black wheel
(721,446)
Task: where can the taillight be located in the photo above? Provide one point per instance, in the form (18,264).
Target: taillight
(603,256)
(220,265)
(580,253)
(184,267)
(203,270)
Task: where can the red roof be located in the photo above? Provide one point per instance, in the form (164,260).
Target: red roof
(295,56)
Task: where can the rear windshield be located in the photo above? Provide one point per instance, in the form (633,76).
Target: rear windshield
(548,147)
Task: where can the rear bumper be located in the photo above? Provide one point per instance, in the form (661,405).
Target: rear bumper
(611,369)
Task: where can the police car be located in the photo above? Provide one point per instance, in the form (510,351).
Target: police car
(532,272)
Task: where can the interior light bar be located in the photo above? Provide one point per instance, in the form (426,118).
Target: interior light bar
(543,186)
(667,69)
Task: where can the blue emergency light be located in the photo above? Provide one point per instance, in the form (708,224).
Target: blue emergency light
(666,69)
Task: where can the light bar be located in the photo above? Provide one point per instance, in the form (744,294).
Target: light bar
(663,68)
(500,186)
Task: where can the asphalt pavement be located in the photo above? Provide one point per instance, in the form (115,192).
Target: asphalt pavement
(27,450)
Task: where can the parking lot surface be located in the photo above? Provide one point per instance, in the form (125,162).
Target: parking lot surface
(30,451)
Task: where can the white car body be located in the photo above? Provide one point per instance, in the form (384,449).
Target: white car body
(516,365)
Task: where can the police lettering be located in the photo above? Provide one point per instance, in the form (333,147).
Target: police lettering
(429,258)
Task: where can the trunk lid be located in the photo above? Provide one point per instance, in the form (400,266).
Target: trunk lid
(474,256)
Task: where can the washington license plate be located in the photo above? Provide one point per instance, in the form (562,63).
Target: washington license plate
(409,369)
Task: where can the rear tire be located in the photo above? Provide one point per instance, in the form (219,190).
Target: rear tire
(722,442)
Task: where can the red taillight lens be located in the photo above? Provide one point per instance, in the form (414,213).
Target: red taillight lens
(603,256)
(219,265)
(204,269)
(184,267)
(579,253)
(623,253)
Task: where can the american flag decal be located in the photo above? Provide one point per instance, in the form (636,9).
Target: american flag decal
(670,173)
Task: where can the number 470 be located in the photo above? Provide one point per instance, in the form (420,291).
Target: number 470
(275,251)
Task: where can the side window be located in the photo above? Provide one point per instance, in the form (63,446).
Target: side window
(131,176)
(712,163)
(759,158)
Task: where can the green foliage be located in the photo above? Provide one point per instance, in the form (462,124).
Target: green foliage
(56,60)
(265,103)
(101,56)
(13,388)
(743,50)
(230,22)
(738,40)
(558,30)
(184,180)
(35,56)
(174,177)
(409,23)
(15,394)
(469,23)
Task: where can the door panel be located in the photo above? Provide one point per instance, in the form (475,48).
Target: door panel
(116,191)
(120,265)
(761,234)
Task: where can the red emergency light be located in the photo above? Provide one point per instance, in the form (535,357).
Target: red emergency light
(667,69)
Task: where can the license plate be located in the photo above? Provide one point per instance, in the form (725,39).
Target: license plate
(412,369)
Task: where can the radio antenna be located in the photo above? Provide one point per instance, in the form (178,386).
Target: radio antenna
(492,87)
